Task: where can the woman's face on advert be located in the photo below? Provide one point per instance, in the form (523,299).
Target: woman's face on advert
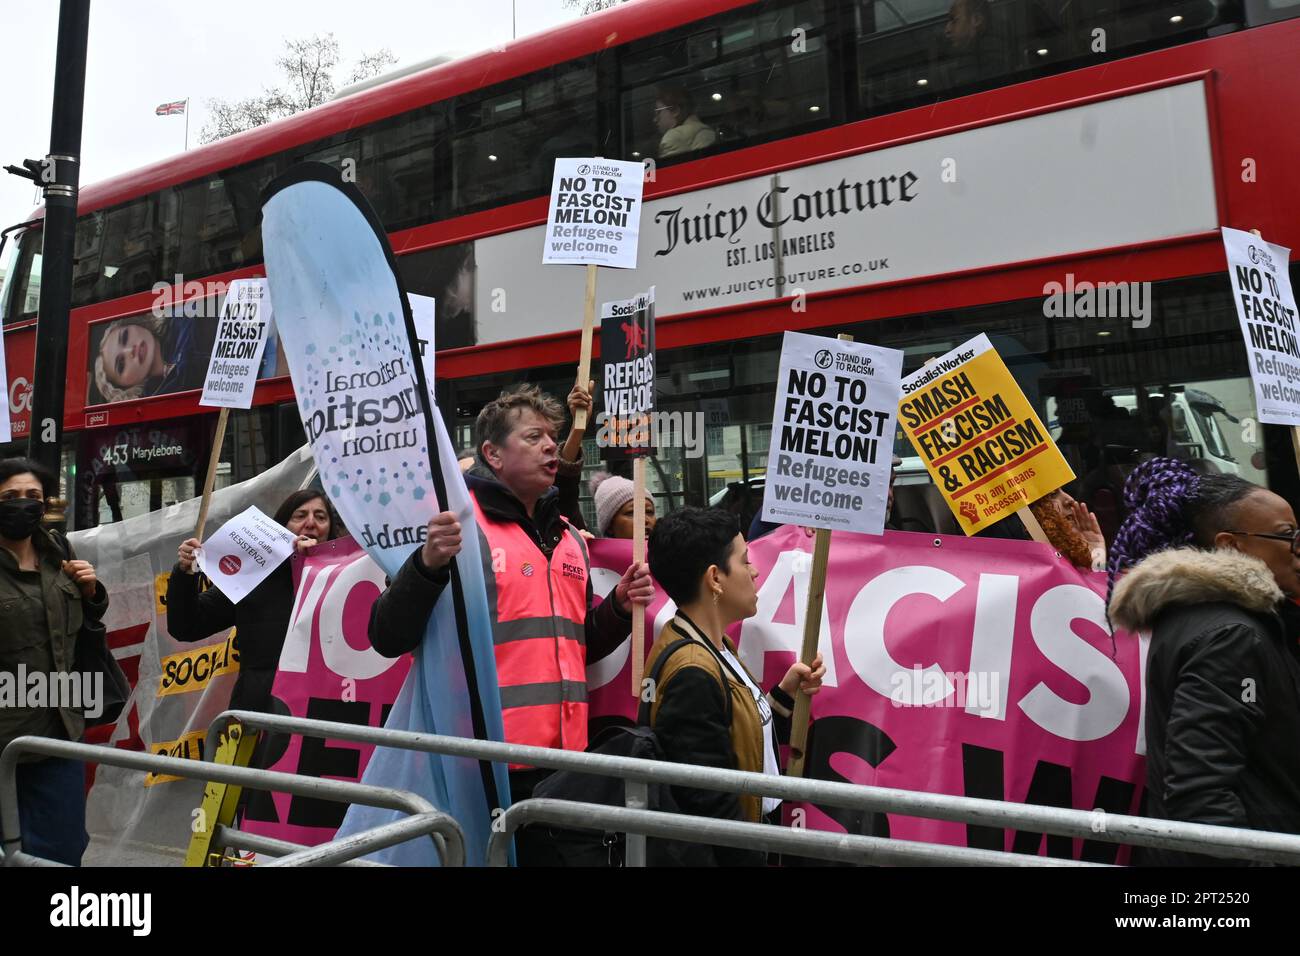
(129,353)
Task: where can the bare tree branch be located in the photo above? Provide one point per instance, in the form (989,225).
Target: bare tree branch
(585,7)
(308,66)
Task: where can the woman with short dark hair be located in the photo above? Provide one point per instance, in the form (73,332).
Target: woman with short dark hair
(1211,571)
(261,619)
(46,595)
(708,708)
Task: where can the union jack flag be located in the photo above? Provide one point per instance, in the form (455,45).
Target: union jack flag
(170,109)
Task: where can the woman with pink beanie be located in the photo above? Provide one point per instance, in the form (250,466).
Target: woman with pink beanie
(614,514)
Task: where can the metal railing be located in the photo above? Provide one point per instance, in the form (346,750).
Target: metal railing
(817,844)
(423,818)
(1229,842)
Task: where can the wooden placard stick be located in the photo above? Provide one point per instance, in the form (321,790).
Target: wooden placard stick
(213,459)
(588,326)
(1032,526)
(638,556)
(812,628)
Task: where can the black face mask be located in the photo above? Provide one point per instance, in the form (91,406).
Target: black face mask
(19,518)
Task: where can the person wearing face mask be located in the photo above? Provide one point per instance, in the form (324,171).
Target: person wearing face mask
(708,708)
(46,594)
(261,619)
(1210,570)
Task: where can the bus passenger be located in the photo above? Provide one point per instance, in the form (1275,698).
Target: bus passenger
(680,129)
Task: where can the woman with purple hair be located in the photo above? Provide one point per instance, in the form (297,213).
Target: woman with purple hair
(1210,569)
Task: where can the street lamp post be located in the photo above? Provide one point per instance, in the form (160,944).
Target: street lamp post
(60,177)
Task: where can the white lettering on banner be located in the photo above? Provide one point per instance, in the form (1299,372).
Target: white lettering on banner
(358,663)
(1051,623)
(296,653)
(762,634)
(864,630)
(601,672)
(992,636)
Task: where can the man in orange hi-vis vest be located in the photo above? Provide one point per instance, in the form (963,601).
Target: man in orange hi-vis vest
(538,575)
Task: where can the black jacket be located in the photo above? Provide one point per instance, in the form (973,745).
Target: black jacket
(1223,693)
(260,620)
(399,617)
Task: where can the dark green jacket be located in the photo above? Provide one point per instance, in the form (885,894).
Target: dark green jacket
(41,636)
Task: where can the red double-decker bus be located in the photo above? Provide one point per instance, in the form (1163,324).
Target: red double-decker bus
(913,172)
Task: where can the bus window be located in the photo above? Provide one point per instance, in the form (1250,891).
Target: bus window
(397,164)
(21,293)
(507,137)
(728,81)
(118,252)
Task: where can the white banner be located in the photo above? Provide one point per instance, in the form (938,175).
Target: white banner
(595,213)
(423,313)
(832,442)
(1261,287)
(242,333)
(243,552)
(1099,173)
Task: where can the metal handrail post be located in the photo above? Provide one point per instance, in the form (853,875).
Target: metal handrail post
(821,844)
(1232,842)
(637,797)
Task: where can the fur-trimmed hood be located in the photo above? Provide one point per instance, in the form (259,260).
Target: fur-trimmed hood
(1191,576)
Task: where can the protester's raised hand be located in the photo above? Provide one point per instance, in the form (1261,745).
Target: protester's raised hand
(185,554)
(83,574)
(580,398)
(443,542)
(801,677)
(636,587)
(304,542)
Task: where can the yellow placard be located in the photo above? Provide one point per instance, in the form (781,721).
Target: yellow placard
(188,747)
(986,449)
(190,671)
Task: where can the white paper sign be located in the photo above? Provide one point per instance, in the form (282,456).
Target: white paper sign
(242,332)
(423,312)
(243,551)
(595,213)
(5,428)
(1261,287)
(832,434)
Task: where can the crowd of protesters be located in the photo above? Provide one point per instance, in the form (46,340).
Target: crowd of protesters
(1207,565)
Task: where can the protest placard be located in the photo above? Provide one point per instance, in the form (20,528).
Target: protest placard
(242,332)
(832,441)
(986,449)
(595,213)
(627,352)
(243,551)
(1266,308)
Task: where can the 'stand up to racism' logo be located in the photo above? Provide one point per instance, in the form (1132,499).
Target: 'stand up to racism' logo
(584,169)
(824,358)
(229,564)
(1260,257)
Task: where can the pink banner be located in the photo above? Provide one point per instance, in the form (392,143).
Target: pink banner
(974,667)
(328,671)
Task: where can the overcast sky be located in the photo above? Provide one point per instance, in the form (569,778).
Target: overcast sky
(146,52)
